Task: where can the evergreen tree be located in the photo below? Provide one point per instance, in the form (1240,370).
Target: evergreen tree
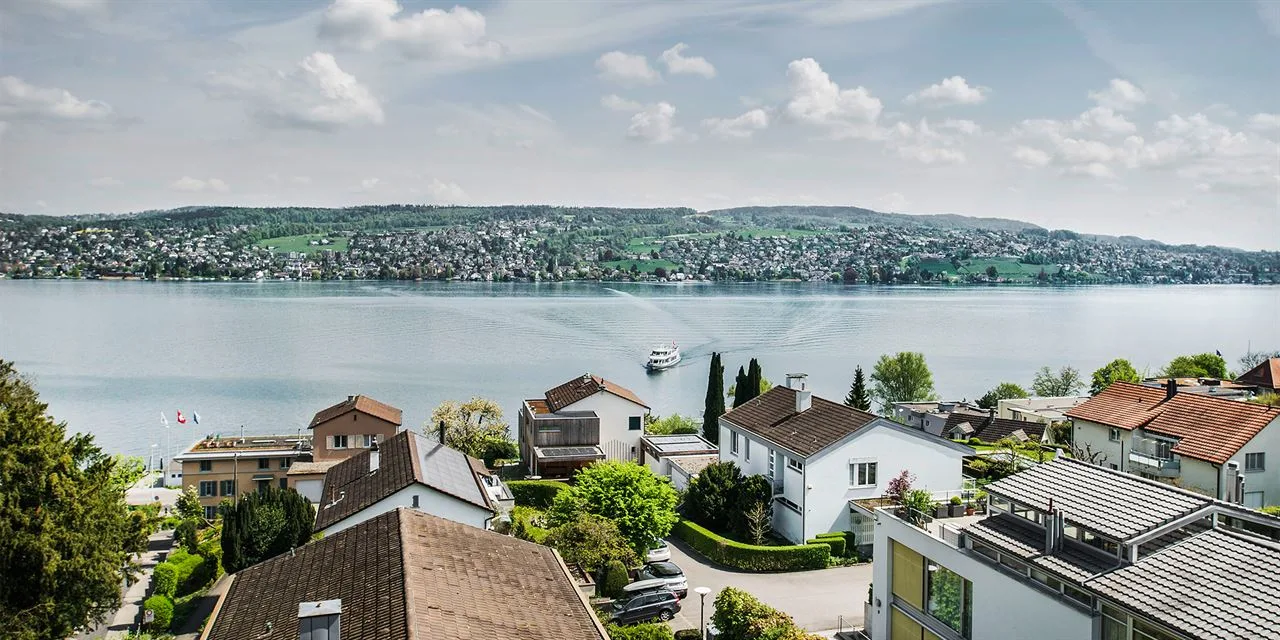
(263,525)
(753,379)
(714,407)
(858,397)
(740,385)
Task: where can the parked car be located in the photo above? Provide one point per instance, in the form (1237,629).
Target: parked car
(661,604)
(660,552)
(669,573)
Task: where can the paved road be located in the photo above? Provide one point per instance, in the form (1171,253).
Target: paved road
(816,599)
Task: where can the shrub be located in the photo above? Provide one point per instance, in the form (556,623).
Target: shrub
(975,441)
(164,579)
(956,500)
(749,557)
(524,525)
(688,634)
(647,631)
(535,493)
(615,578)
(835,542)
(191,572)
(163,608)
(740,616)
(185,535)
(591,542)
(1272,511)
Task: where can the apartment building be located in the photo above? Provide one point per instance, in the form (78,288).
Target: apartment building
(219,468)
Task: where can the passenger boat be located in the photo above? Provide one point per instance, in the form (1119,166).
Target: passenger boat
(663,357)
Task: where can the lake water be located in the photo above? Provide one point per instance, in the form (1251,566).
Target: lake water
(108,357)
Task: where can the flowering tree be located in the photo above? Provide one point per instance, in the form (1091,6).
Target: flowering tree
(899,487)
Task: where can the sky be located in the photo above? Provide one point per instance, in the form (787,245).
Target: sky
(1160,120)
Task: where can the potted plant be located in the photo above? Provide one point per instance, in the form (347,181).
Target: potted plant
(941,509)
(957,507)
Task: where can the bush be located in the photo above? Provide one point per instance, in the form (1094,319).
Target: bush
(535,493)
(749,557)
(164,579)
(191,572)
(835,542)
(740,616)
(647,631)
(163,608)
(688,634)
(524,525)
(615,578)
(975,441)
(185,535)
(956,500)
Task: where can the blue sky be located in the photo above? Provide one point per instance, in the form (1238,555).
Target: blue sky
(1151,119)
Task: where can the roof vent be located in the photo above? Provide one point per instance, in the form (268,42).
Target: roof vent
(320,620)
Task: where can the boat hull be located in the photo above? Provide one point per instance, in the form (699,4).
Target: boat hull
(653,366)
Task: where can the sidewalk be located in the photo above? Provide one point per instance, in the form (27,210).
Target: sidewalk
(129,615)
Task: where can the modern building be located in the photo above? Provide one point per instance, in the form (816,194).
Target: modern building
(1073,551)
(579,422)
(406,575)
(1265,377)
(820,455)
(1205,387)
(932,416)
(663,453)
(988,428)
(219,468)
(1046,410)
(351,426)
(410,470)
(1185,439)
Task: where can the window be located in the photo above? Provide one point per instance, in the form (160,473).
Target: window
(1114,436)
(206,465)
(798,465)
(227,488)
(285,462)
(733,442)
(950,598)
(368,440)
(772,461)
(862,474)
(210,513)
(264,463)
(284,483)
(208,488)
(746,450)
(339,442)
(1255,461)
(635,423)
(985,550)
(789,504)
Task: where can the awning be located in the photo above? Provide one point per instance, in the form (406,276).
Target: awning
(261,478)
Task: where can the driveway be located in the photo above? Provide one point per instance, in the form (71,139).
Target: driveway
(816,599)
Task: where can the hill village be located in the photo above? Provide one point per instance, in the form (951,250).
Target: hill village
(1145,510)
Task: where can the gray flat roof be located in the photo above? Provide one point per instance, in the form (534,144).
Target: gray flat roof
(679,443)
(1024,539)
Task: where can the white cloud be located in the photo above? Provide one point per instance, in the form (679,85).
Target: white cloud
(932,155)
(446,192)
(1092,170)
(300,180)
(677,63)
(105,182)
(21,100)
(892,201)
(1265,121)
(741,127)
(656,124)
(951,91)
(457,34)
(818,101)
(1105,121)
(196,185)
(967,127)
(626,68)
(317,94)
(927,144)
(614,102)
(368,184)
(1120,95)
(1031,157)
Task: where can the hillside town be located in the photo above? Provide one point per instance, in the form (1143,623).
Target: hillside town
(560,248)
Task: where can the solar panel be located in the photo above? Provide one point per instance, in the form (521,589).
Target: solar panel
(449,471)
(568,452)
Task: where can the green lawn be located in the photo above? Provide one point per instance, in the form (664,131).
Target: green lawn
(645,266)
(285,244)
(1009,268)
(757,232)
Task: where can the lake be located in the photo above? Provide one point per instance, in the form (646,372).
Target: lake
(108,357)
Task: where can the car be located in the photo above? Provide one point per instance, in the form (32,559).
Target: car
(661,604)
(669,573)
(660,552)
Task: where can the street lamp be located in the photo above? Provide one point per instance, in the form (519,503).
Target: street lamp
(702,617)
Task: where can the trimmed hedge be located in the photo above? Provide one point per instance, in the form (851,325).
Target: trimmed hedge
(850,542)
(688,634)
(164,580)
(535,493)
(836,543)
(750,557)
(646,631)
(163,608)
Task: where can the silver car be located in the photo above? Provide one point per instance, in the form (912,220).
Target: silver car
(668,572)
(660,552)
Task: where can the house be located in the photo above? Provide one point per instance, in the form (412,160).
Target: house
(931,416)
(988,428)
(307,477)
(223,467)
(406,575)
(1205,386)
(351,426)
(1186,439)
(661,453)
(410,470)
(1047,410)
(1265,377)
(583,420)
(820,455)
(1070,551)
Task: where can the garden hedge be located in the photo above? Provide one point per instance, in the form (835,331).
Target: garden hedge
(535,493)
(646,631)
(750,557)
(835,542)
(688,634)
(163,608)
(164,580)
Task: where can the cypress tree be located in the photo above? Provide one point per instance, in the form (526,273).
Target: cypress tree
(740,388)
(753,379)
(858,397)
(714,406)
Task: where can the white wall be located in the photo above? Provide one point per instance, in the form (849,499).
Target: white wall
(1003,606)
(1268,480)
(429,501)
(1098,437)
(310,489)
(616,440)
(679,479)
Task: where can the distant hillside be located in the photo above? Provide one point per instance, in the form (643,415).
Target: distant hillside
(860,216)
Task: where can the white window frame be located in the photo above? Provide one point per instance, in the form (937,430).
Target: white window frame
(333,442)
(795,464)
(733,442)
(772,461)
(860,469)
(1113,434)
(368,440)
(1260,456)
(746,449)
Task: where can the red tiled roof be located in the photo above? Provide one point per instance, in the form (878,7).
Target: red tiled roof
(1123,404)
(363,404)
(1264,376)
(772,415)
(1209,428)
(584,387)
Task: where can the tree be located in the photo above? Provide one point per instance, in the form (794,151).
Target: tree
(903,377)
(739,388)
(858,397)
(476,428)
(1252,359)
(263,525)
(899,486)
(674,423)
(752,491)
(754,378)
(993,272)
(713,408)
(641,504)
(758,520)
(188,505)
(591,541)
(1200,365)
(1087,454)
(63,521)
(1118,370)
(712,494)
(1066,382)
(1002,391)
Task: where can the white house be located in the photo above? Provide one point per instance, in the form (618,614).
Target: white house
(1189,440)
(583,420)
(679,457)
(820,455)
(1046,410)
(409,470)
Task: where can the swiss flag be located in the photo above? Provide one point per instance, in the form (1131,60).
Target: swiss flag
(181,418)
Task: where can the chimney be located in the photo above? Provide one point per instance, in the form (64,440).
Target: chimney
(1232,483)
(804,398)
(320,620)
(373,456)
(441,434)
(351,399)
(1171,388)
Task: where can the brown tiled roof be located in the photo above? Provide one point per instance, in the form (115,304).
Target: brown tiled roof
(1264,376)
(403,459)
(1123,404)
(772,415)
(1209,428)
(363,404)
(584,387)
(989,428)
(407,575)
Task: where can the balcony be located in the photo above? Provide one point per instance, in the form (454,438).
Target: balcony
(1154,464)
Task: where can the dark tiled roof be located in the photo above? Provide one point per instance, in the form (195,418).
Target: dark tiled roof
(989,428)
(1212,585)
(584,387)
(1022,538)
(1264,376)
(1123,404)
(1108,502)
(363,405)
(772,415)
(1212,429)
(408,575)
(403,459)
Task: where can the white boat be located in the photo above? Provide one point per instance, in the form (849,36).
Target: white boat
(663,357)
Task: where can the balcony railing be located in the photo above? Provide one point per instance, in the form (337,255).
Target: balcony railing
(1155,464)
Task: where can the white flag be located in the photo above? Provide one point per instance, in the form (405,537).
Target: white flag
(164,420)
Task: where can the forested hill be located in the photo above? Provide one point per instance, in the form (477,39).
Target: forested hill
(860,216)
